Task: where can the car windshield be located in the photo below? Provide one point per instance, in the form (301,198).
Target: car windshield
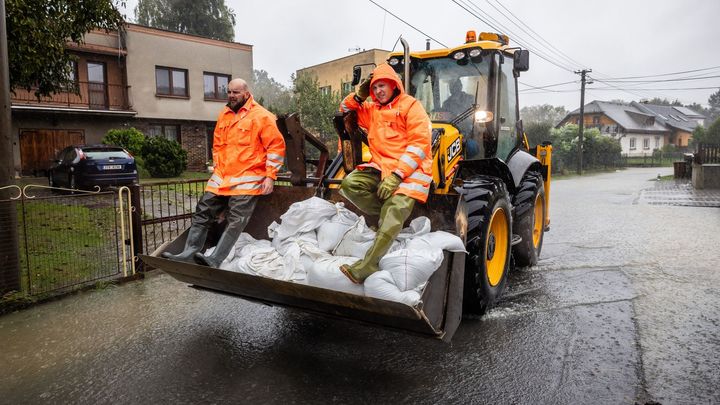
(448,88)
(105,154)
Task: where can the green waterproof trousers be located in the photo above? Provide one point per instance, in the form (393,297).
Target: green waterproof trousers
(360,188)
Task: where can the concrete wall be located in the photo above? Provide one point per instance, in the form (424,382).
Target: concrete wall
(148,48)
(339,71)
(706,176)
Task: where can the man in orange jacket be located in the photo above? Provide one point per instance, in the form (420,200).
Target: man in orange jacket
(399,170)
(248,150)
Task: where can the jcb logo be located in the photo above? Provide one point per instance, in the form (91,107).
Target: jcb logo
(453,150)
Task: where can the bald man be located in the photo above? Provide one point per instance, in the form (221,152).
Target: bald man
(248,150)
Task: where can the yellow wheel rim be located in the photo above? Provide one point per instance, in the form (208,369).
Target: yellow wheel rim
(496,246)
(538,216)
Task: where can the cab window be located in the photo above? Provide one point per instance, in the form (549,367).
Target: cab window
(507,110)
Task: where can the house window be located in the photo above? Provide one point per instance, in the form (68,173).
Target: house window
(657,142)
(632,143)
(215,86)
(596,120)
(347,88)
(171,81)
(171,132)
(646,143)
(325,90)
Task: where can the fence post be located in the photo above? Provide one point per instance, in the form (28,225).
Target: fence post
(136,219)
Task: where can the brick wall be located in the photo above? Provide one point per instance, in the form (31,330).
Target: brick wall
(192,137)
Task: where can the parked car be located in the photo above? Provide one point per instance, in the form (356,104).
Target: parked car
(87,166)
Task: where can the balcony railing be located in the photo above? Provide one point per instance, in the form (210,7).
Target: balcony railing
(84,95)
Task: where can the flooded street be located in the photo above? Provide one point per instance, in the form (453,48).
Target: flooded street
(622,308)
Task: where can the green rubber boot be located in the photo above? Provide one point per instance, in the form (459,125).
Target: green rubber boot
(394,213)
(362,269)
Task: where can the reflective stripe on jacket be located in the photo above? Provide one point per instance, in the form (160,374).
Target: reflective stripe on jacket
(247,148)
(399,136)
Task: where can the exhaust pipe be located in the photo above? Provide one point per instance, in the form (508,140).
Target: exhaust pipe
(406,59)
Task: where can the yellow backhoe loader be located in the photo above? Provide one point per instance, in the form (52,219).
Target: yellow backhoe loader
(489,188)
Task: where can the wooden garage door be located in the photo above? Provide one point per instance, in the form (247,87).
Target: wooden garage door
(38,147)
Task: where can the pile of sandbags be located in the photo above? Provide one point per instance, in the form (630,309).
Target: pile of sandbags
(315,237)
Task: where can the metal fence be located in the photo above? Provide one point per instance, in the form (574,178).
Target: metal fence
(54,243)
(166,210)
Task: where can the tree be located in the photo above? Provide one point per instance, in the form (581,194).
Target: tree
(543,113)
(271,94)
(37,33)
(713,133)
(663,101)
(714,110)
(599,151)
(209,18)
(710,134)
(316,109)
(537,132)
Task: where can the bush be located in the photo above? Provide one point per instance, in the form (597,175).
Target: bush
(143,173)
(163,157)
(131,139)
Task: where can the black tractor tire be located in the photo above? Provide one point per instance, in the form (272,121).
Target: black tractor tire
(489,243)
(529,223)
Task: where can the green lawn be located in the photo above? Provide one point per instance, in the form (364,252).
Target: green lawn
(67,243)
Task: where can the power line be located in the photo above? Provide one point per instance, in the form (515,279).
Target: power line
(547,85)
(665,74)
(408,24)
(534,34)
(518,38)
(680,79)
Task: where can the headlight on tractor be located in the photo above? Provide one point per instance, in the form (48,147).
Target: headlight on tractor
(483,116)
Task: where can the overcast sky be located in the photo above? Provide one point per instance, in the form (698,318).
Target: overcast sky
(614,38)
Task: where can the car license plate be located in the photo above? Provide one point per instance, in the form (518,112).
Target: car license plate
(112,167)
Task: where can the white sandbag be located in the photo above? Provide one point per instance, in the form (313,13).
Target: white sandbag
(356,241)
(302,216)
(439,239)
(418,226)
(382,285)
(331,232)
(411,268)
(282,245)
(243,240)
(325,273)
(263,260)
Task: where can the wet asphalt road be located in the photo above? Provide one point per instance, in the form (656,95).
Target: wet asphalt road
(622,308)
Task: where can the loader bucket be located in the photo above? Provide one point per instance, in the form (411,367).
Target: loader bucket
(437,315)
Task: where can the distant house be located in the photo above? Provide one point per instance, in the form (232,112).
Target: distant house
(161,82)
(640,128)
(336,75)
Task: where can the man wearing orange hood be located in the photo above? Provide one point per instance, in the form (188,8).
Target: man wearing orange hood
(399,170)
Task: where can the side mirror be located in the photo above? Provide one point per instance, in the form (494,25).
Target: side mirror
(521,59)
(357,72)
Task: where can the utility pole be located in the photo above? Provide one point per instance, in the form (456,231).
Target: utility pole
(582,74)
(10,270)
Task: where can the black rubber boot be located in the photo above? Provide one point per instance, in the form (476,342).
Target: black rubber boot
(194,243)
(222,250)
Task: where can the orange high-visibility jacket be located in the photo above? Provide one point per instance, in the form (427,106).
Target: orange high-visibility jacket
(247,148)
(399,136)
